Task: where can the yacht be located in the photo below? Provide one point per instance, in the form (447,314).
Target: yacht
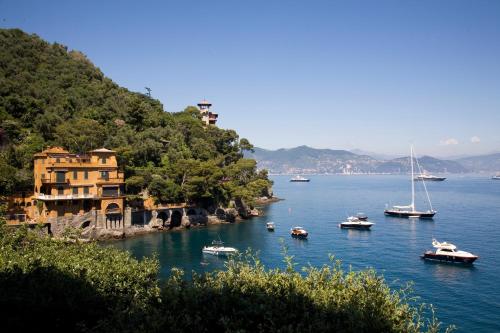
(410,210)
(270,226)
(496,177)
(218,249)
(448,252)
(354,222)
(299,179)
(298,232)
(431,178)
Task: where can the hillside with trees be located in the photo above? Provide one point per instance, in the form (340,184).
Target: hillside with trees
(51,95)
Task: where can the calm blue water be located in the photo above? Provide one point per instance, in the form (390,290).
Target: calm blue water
(468,216)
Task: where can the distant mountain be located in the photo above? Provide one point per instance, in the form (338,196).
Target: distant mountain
(378,156)
(427,163)
(307,160)
(483,163)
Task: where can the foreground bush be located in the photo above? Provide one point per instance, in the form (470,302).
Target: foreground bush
(84,287)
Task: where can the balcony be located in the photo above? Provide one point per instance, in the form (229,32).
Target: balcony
(49,197)
(110,180)
(55,181)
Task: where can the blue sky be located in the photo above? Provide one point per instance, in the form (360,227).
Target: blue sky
(371,75)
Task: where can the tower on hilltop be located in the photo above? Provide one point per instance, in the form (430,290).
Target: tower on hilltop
(208,117)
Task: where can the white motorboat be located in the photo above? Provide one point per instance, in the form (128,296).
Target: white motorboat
(448,252)
(299,179)
(410,210)
(431,178)
(218,249)
(354,222)
(270,226)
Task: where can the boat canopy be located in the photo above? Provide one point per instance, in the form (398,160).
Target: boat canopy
(403,207)
(443,245)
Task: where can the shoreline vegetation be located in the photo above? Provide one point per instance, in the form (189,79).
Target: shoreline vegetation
(81,287)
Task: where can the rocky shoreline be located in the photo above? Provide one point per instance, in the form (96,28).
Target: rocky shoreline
(230,215)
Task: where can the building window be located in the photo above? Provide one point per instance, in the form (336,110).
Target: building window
(75,174)
(60,190)
(58,160)
(105,175)
(103,160)
(85,190)
(110,191)
(75,190)
(60,176)
(85,174)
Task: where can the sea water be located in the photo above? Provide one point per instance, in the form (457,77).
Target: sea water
(468,215)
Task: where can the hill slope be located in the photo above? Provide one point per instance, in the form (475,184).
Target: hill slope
(50,95)
(483,163)
(307,160)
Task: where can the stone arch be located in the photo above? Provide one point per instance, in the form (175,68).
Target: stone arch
(191,211)
(176,219)
(85,224)
(113,216)
(163,216)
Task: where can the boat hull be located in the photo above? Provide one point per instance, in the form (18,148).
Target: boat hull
(448,258)
(270,229)
(405,214)
(436,179)
(355,226)
(300,236)
(300,181)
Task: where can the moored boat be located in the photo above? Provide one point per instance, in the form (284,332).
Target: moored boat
(270,226)
(410,210)
(299,232)
(299,179)
(431,178)
(496,177)
(449,253)
(218,249)
(354,222)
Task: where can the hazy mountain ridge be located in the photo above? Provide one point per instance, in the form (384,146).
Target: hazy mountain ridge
(307,160)
(483,163)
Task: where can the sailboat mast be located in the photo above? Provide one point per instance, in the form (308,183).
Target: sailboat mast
(412,181)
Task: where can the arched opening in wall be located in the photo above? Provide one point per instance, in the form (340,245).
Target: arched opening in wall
(191,211)
(176,219)
(28,204)
(85,224)
(163,216)
(113,216)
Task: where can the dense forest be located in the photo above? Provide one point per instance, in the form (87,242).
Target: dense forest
(50,95)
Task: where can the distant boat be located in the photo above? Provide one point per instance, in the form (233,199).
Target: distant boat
(496,177)
(354,222)
(448,252)
(270,226)
(299,179)
(299,232)
(410,210)
(218,249)
(430,178)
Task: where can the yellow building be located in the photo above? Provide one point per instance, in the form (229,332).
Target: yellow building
(70,184)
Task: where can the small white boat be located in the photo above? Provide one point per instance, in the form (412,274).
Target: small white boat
(431,178)
(298,232)
(218,249)
(299,179)
(496,177)
(354,222)
(270,226)
(448,252)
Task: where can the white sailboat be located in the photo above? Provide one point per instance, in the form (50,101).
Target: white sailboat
(410,210)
